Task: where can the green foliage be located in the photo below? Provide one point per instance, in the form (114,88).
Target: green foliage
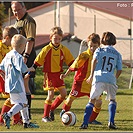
(2,17)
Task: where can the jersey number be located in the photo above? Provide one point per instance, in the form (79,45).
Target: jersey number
(109,63)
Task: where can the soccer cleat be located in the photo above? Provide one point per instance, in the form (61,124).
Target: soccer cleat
(46,119)
(83,126)
(62,112)
(51,115)
(7,120)
(95,122)
(111,125)
(30,125)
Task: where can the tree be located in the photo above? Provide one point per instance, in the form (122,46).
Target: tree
(2,17)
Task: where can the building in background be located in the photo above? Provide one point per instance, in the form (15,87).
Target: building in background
(82,18)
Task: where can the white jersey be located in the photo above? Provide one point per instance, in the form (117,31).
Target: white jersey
(13,66)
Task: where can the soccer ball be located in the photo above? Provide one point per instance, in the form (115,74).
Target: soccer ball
(68,118)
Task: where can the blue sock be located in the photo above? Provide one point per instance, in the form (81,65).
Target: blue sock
(112,110)
(87,113)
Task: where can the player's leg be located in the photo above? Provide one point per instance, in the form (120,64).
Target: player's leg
(47,106)
(25,117)
(95,93)
(6,107)
(14,110)
(95,112)
(112,109)
(87,113)
(67,104)
(58,100)
(111,96)
(28,95)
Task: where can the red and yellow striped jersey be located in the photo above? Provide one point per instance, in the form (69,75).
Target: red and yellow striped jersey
(52,59)
(82,66)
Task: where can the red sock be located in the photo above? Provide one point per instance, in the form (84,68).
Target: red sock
(46,109)
(17,119)
(66,107)
(56,103)
(4,109)
(93,116)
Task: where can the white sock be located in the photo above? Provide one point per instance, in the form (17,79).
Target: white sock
(14,110)
(25,115)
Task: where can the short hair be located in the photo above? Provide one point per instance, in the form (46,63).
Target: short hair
(9,31)
(95,38)
(21,3)
(18,40)
(56,30)
(108,38)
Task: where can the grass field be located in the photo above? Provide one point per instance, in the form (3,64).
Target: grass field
(123,119)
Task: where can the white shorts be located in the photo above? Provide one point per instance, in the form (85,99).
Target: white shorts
(98,88)
(18,98)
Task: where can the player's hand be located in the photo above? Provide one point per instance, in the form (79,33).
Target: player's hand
(62,76)
(26,76)
(32,69)
(89,80)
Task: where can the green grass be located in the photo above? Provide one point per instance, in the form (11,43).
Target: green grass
(124,113)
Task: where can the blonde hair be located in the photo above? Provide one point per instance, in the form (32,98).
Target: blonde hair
(18,40)
(9,31)
(56,30)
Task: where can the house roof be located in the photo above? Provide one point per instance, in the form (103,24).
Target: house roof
(121,9)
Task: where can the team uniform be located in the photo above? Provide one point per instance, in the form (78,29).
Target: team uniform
(52,60)
(107,61)
(82,66)
(13,66)
(7,105)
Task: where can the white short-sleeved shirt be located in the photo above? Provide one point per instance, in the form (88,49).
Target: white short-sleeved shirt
(13,66)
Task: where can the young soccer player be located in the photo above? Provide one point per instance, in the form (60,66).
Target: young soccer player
(5,47)
(13,67)
(106,60)
(80,87)
(52,57)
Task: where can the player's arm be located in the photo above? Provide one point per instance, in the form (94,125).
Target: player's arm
(64,75)
(93,65)
(30,70)
(118,73)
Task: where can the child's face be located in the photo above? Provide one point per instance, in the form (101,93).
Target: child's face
(92,46)
(7,41)
(56,39)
